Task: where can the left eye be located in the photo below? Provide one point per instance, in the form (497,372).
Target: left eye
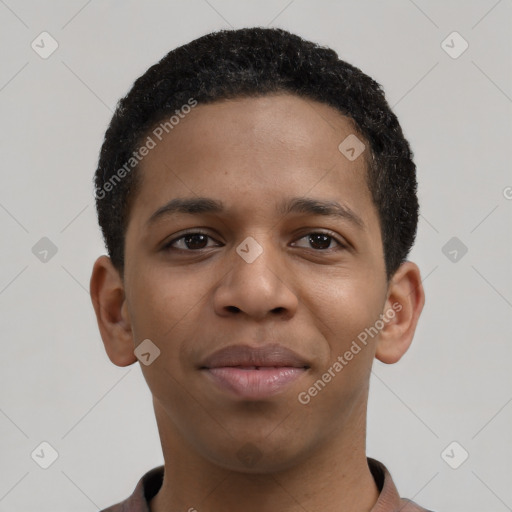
(321,241)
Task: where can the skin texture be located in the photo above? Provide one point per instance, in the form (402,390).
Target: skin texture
(311,296)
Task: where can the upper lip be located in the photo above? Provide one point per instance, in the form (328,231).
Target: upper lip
(244,355)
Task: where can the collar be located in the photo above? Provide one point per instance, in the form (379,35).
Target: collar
(388,501)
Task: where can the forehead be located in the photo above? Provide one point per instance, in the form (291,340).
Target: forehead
(287,123)
(251,152)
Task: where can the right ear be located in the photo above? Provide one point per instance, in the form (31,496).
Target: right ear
(108,299)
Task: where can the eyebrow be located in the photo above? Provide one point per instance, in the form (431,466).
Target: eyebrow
(321,207)
(198,205)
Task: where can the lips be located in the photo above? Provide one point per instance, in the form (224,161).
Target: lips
(253,372)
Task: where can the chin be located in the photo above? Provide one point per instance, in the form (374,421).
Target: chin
(257,457)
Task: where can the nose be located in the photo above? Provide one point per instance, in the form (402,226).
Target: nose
(256,288)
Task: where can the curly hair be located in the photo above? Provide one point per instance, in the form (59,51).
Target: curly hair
(252,62)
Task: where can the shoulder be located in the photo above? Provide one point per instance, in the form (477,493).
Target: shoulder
(410,506)
(389,498)
(146,488)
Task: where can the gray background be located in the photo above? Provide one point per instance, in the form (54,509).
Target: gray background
(56,382)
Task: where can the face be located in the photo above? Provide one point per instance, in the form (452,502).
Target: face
(260,263)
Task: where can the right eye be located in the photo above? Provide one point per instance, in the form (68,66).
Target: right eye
(189,242)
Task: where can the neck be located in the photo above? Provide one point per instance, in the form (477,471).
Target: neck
(336,477)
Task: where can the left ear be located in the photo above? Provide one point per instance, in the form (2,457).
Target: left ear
(402,310)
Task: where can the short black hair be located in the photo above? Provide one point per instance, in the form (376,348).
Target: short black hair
(252,62)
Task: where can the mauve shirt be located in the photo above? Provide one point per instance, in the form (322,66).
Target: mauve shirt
(389,500)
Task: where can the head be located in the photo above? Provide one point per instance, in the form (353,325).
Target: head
(254,189)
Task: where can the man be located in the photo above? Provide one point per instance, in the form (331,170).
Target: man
(258,201)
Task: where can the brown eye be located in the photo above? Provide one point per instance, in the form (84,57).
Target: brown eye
(321,241)
(189,242)
(196,241)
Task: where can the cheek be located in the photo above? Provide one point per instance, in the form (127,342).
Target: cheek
(162,301)
(343,311)
(343,306)
(170,311)
(165,307)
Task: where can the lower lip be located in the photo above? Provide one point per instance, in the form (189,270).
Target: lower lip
(254,384)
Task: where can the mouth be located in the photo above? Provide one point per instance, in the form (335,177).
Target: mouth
(254,373)
(254,383)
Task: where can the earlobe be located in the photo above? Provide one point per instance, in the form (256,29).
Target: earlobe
(404,304)
(108,299)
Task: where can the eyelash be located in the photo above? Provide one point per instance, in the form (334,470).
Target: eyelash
(168,245)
